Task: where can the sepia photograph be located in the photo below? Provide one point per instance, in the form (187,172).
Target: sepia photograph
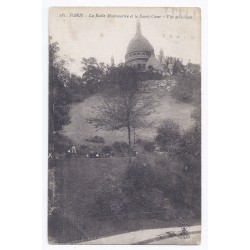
(124,126)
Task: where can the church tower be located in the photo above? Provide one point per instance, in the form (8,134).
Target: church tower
(112,60)
(161,56)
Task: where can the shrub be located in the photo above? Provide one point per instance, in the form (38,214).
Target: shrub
(61,143)
(96,139)
(190,153)
(168,136)
(182,93)
(154,199)
(149,146)
(62,230)
(139,141)
(120,147)
(77,98)
(107,149)
(140,188)
(110,200)
(150,75)
(84,149)
(185,148)
(184,89)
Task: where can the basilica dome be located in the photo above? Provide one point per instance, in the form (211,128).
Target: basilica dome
(139,50)
(139,43)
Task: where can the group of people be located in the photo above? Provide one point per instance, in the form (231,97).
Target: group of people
(93,154)
(72,153)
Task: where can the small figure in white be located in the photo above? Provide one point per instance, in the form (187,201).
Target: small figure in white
(73,151)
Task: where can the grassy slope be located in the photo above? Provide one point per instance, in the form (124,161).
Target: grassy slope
(79,129)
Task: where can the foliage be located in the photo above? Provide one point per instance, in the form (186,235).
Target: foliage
(182,91)
(187,89)
(61,143)
(58,80)
(149,146)
(146,144)
(193,69)
(124,105)
(186,148)
(107,149)
(96,139)
(84,149)
(62,230)
(110,200)
(76,91)
(173,67)
(170,180)
(120,146)
(190,153)
(139,186)
(190,144)
(139,176)
(189,150)
(93,74)
(196,114)
(149,75)
(66,88)
(168,136)
(178,68)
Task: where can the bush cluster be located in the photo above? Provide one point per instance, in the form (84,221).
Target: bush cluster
(149,146)
(120,146)
(96,139)
(187,88)
(61,143)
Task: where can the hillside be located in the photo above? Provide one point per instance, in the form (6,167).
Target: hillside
(90,196)
(167,107)
(79,183)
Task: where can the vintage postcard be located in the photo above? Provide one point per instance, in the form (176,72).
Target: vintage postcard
(124,141)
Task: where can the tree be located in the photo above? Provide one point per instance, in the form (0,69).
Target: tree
(173,66)
(178,68)
(186,148)
(124,105)
(76,89)
(93,73)
(58,99)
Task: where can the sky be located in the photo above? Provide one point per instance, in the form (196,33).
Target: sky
(90,32)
